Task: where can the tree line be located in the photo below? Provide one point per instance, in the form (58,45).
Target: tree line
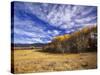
(79,41)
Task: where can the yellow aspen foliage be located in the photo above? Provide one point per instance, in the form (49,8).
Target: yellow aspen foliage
(86,30)
(59,38)
(67,36)
(63,37)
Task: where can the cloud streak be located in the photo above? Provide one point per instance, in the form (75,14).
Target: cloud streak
(40,22)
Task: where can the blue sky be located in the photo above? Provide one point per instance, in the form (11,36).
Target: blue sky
(40,22)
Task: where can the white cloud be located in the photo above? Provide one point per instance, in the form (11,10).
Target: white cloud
(56,32)
(53,32)
(23,40)
(86,19)
(67,32)
(59,16)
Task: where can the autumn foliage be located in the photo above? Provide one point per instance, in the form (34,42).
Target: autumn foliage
(79,41)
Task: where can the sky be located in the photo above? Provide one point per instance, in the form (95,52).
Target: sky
(41,22)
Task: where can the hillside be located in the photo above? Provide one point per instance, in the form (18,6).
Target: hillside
(26,46)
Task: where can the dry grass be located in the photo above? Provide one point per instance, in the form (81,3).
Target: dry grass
(34,61)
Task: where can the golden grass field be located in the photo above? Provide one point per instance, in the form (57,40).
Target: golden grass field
(35,61)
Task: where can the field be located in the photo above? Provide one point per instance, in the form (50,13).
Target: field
(34,60)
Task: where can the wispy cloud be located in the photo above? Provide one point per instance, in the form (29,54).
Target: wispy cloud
(40,22)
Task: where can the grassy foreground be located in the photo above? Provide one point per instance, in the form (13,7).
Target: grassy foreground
(36,61)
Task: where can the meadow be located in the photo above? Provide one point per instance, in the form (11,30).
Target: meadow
(34,60)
